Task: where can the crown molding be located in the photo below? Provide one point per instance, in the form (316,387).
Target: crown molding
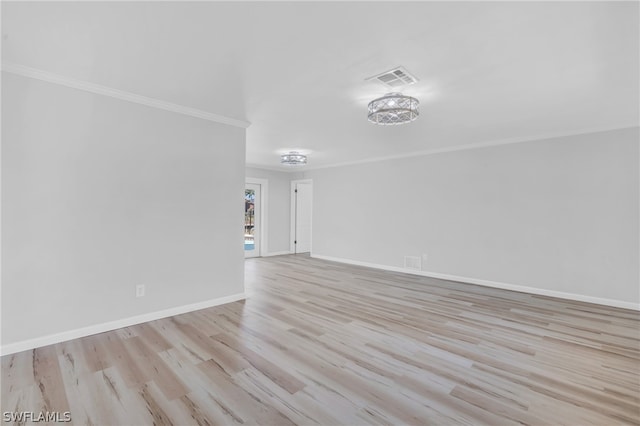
(87,86)
(281,169)
(470,146)
(464,147)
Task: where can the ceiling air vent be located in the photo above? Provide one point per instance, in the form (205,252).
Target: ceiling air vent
(394,78)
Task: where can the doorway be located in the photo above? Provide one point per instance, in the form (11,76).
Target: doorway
(255,211)
(252,220)
(301,205)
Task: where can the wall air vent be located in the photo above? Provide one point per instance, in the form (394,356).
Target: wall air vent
(394,78)
(413,262)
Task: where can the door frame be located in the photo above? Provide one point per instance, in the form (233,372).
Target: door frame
(262,216)
(292,232)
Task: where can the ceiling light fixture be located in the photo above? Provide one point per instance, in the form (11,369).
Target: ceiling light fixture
(393,108)
(293,158)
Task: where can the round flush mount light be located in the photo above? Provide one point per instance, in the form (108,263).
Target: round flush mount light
(393,108)
(293,158)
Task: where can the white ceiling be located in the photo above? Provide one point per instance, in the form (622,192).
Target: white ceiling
(488,71)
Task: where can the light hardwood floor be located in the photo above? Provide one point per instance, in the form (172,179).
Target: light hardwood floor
(324,343)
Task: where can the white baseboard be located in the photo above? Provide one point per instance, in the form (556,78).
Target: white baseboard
(113,325)
(487,283)
(276,253)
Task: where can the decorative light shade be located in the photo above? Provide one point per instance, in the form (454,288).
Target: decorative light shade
(293,158)
(393,108)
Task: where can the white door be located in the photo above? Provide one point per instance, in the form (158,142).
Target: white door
(252,206)
(301,200)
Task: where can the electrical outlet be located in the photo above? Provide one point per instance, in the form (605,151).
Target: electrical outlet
(424,257)
(140,290)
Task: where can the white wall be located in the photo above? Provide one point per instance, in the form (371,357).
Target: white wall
(99,195)
(278,215)
(558,214)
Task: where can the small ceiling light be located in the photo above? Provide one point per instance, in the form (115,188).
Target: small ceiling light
(393,108)
(293,158)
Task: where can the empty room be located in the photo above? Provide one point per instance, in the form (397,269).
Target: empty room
(320,213)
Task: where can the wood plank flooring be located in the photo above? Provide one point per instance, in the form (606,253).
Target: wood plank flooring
(324,343)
